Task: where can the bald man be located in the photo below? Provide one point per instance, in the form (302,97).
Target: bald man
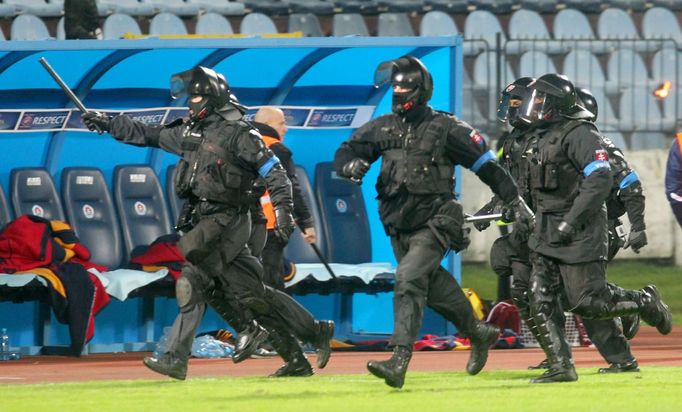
(271,123)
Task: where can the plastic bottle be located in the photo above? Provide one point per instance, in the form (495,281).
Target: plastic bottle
(207,346)
(162,344)
(5,353)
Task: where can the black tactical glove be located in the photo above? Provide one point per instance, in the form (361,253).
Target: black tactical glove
(637,240)
(523,216)
(566,232)
(284,223)
(487,209)
(96,122)
(355,170)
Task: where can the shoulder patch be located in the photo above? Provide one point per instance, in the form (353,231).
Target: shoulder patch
(476,137)
(601,155)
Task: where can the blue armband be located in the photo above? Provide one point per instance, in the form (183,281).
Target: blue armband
(267,166)
(631,178)
(597,164)
(485,157)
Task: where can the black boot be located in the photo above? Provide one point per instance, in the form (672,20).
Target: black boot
(392,370)
(248,341)
(168,365)
(630,325)
(553,341)
(631,366)
(654,311)
(542,365)
(296,365)
(482,337)
(322,345)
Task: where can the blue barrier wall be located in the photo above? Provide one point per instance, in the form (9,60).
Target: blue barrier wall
(124,74)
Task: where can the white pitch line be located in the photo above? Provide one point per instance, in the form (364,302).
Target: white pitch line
(11,378)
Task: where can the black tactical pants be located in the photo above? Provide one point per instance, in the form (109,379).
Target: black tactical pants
(585,292)
(225,260)
(421,280)
(604,333)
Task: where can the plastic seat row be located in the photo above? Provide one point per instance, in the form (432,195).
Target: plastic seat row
(137,213)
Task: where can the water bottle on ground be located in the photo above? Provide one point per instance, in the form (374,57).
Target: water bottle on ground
(206,346)
(5,353)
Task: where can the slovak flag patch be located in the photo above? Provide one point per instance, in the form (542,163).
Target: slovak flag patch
(601,155)
(476,137)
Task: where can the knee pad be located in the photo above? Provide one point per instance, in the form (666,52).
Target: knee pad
(184,292)
(590,307)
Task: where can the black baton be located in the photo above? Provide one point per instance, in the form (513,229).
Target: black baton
(323,260)
(72,96)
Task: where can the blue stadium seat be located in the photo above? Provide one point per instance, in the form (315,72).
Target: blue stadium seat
(213,23)
(173,200)
(632,5)
(90,211)
(437,23)
(7,10)
(648,141)
(297,250)
(61,33)
(177,7)
(448,6)
(141,206)
(307,23)
(272,7)
(28,27)
(625,69)
(668,4)
(344,217)
(573,29)
(394,24)
(349,24)
(118,24)
(482,26)
(167,23)
(224,7)
(401,6)
(617,24)
(529,25)
(660,23)
(495,6)
(541,6)
(310,6)
(131,7)
(5,212)
(356,6)
(40,8)
(33,193)
(666,65)
(584,69)
(586,6)
(257,23)
(535,64)
(484,75)
(639,111)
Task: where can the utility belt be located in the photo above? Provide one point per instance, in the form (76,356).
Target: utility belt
(205,206)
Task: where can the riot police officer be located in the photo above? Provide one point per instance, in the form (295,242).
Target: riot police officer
(419,148)
(221,156)
(509,255)
(570,179)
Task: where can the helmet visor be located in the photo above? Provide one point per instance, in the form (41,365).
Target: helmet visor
(179,84)
(384,73)
(533,108)
(503,107)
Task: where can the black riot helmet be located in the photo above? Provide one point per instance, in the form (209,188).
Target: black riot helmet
(512,98)
(588,101)
(553,98)
(206,90)
(408,74)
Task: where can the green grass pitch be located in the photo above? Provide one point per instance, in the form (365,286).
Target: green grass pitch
(654,389)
